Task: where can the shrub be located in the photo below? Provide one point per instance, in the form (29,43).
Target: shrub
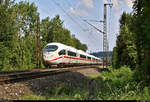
(120,84)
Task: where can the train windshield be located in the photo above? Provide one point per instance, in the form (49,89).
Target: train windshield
(50,48)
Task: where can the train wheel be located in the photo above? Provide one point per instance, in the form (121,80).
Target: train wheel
(49,66)
(60,65)
(46,66)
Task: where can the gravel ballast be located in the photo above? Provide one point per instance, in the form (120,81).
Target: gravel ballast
(41,86)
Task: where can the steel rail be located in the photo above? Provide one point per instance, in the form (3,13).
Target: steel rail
(18,77)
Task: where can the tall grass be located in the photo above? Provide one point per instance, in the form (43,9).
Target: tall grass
(121,84)
(118,84)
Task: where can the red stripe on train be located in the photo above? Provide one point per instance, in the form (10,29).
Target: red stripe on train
(70,58)
(55,59)
(76,58)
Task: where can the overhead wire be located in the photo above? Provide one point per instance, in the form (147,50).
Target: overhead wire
(83,29)
(75,21)
(89,31)
(73,8)
(66,14)
(57,4)
(90,20)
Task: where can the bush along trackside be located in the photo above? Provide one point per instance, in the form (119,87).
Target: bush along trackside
(120,84)
(117,84)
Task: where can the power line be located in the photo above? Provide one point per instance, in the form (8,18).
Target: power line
(90,38)
(75,15)
(94,27)
(57,4)
(68,14)
(72,18)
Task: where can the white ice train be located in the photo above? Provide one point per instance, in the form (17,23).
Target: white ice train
(63,55)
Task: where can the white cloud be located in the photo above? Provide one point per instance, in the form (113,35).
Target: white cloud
(104,1)
(78,12)
(129,3)
(88,3)
(81,8)
(115,4)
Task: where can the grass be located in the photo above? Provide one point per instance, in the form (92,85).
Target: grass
(118,84)
(32,97)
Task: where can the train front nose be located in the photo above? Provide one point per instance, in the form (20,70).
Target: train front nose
(47,59)
(49,53)
(44,57)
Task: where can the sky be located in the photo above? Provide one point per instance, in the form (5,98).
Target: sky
(73,12)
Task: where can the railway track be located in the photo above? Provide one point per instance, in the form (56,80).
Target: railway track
(18,76)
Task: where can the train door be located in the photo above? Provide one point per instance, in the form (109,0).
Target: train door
(68,60)
(62,53)
(77,56)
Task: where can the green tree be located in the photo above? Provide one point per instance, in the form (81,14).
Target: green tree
(7,30)
(18,34)
(125,51)
(26,23)
(142,35)
(52,30)
(114,57)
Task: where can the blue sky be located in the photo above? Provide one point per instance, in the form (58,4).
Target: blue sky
(73,11)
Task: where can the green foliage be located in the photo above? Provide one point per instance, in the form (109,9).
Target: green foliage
(146,94)
(65,92)
(118,77)
(7,29)
(18,35)
(32,97)
(125,51)
(133,43)
(142,35)
(53,31)
(114,57)
(118,84)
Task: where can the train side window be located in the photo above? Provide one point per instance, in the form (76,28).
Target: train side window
(70,53)
(82,56)
(89,58)
(62,52)
(93,58)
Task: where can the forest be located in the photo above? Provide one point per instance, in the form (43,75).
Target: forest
(18,34)
(133,42)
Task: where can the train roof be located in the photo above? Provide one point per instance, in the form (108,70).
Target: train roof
(60,45)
